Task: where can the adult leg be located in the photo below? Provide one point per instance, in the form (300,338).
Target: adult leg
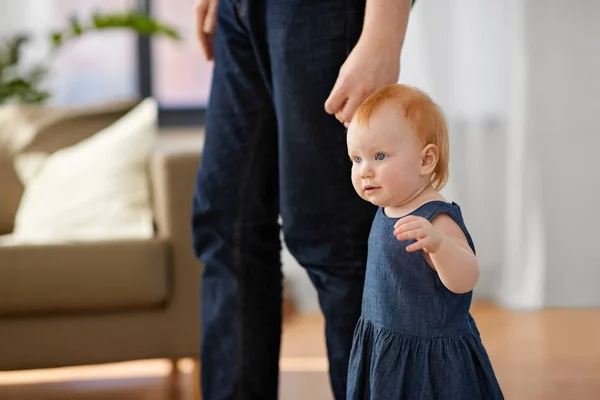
(235,227)
(325,223)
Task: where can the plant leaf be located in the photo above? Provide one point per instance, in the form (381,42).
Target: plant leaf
(76,28)
(57,39)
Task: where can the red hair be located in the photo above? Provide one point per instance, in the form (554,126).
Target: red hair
(424,116)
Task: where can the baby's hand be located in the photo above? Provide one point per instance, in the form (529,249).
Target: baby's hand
(428,238)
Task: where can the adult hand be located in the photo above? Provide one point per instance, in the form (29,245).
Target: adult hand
(371,65)
(205,20)
(375,60)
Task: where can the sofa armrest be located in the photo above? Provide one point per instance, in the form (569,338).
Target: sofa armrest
(173,175)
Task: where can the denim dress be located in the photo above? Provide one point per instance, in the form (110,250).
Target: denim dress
(415,339)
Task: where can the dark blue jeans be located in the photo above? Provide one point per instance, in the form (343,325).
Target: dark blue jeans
(272,150)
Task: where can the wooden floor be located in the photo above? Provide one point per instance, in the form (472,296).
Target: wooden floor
(553,354)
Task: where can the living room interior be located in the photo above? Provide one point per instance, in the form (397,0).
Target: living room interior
(102,107)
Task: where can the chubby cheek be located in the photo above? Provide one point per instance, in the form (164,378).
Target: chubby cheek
(387,177)
(391,181)
(398,185)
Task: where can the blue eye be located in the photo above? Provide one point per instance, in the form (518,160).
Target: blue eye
(357,159)
(380,156)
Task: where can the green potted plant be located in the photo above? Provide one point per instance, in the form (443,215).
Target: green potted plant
(18,85)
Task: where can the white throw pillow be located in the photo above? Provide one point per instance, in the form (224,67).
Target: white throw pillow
(97,189)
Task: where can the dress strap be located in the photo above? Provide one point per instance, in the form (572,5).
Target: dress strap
(432,209)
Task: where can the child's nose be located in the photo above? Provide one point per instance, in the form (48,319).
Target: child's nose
(366,171)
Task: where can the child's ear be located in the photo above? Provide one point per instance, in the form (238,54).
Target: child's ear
(429,159)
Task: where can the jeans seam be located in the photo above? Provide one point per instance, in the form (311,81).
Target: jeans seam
(240,8)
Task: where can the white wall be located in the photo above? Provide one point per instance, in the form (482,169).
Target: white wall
(564,121)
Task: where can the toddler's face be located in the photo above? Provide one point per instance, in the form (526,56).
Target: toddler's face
(386,158)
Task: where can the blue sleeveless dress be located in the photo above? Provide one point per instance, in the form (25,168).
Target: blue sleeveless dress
(415,339)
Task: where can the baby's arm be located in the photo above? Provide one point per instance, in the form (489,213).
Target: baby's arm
(454,261)
(447,249)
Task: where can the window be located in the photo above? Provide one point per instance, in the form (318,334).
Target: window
(181,75)
(175,72)
(99,67)
(113,66)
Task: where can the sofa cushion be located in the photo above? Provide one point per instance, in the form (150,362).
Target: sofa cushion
(94,190)
(27,128)
(83,277)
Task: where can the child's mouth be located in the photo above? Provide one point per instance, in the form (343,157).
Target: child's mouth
(371,189)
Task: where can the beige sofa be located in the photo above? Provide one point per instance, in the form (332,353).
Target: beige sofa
(90,303)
